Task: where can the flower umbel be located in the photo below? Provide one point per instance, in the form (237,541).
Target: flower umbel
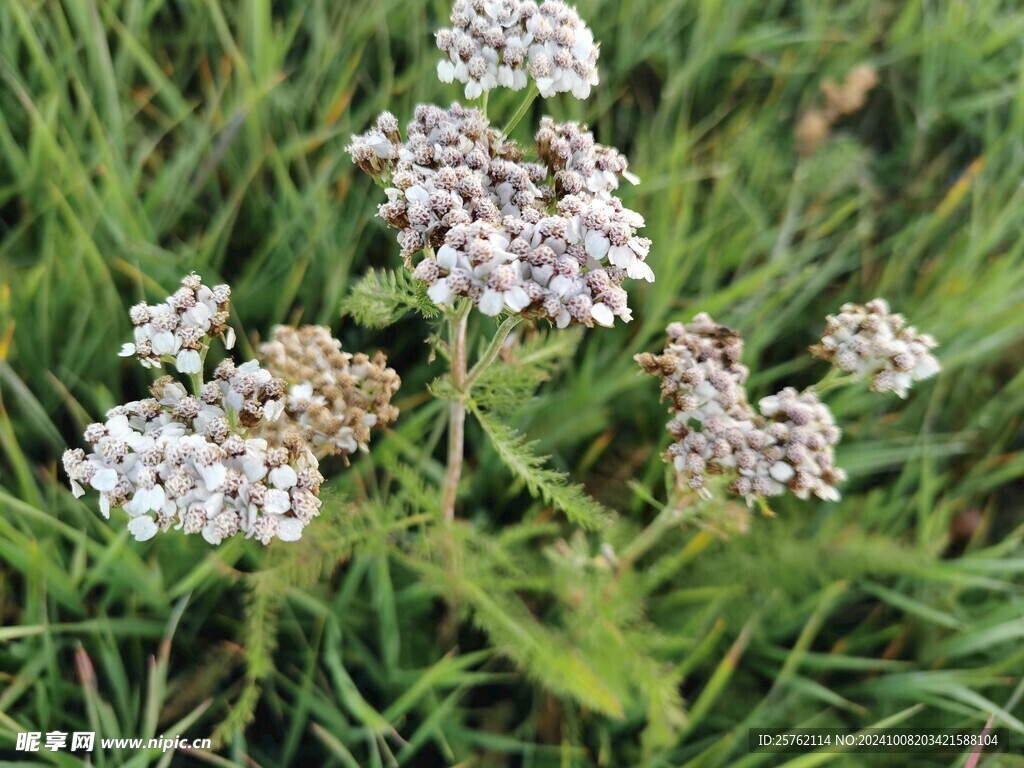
(178,461)
(180,329)
(333,398)
(510,42)
(788,445)
(871,341)
(235,455)
(546,239)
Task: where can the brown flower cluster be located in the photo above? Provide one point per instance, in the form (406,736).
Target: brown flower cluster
(788,445)
(841,99)
(333,398)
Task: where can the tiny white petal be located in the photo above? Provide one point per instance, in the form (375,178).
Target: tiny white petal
(492,302)
(165,343)
(213,476)
(926,367)
(289,529)
(602,313)
(142,527)
(211,535)
(445,71)
(781,471)
(439,292)
(188,361)
(639,270)
(447,257)
(273,409)
(517,299)
(597,244)
(283,476)
(127,350)
(276,501)
(104,479)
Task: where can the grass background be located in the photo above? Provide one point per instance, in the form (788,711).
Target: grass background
(141,139)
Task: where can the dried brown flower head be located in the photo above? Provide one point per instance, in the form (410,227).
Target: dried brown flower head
(333,398)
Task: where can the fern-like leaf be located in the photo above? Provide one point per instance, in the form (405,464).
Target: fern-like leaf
(545,655)
(554,487)
(260,640)
(513,379)
(382,296)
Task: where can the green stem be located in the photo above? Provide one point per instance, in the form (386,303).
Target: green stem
(457,328)
(679,510)
(196,379)
(483,102)
(521,110)
(834,379)
(493,348)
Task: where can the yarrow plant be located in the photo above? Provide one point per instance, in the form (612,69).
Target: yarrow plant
(536,234)
(214,460)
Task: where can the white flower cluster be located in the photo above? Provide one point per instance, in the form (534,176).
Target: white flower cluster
(548,240)
(716,432)
(376,151)
(334,398)
(179,330)
(869,340)
(798,439)
(508,42)
(183,462)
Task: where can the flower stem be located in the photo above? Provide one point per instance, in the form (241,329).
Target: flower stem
(457,325)
(493,348)
(834,379)
(672,515)
(521,110)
